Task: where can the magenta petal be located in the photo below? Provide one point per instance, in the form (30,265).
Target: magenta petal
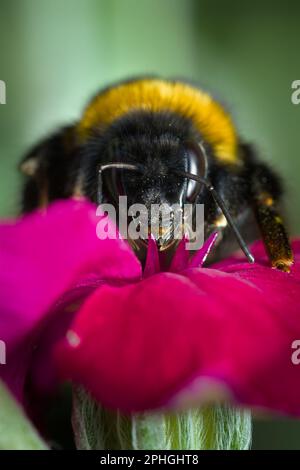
(200,257)
(41,256)
(154,339)
(152,264)
(140,338)
(255,348)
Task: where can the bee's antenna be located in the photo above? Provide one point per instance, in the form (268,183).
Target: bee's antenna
(230,221)
(219,200)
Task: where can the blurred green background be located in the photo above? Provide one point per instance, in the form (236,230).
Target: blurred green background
(56,53)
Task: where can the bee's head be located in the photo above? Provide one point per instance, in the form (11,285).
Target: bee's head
(139,156)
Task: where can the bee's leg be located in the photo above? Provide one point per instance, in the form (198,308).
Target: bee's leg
(265,193)
(35,193)
(48,172)
(273,232)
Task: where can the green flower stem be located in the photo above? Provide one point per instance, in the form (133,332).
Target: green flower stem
(16,431)
(219,427)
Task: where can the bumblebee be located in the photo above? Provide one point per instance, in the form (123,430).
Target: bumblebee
(162,142)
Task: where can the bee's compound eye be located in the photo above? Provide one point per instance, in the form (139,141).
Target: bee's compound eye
(119,179)
(197,165)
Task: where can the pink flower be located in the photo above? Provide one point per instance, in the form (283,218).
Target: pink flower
(167,339)
(42,256)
